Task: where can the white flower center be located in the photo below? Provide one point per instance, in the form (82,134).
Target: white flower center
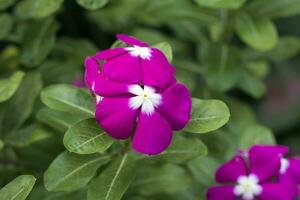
(248,187)
(142,52)
(145,98)
(284,165)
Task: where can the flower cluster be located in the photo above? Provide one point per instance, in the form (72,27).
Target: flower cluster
(262,172)
(136,92)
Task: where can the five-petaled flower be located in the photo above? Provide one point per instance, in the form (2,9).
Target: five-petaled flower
(136,92)
(254,175)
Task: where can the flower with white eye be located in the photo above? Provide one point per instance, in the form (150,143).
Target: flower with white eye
(142,52)
(247,187)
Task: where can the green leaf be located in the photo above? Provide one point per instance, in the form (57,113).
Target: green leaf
(58,120)
(167,178)
(166,49)
(252,85)
(92,4)
(86,137)
(6,3)
(72,171)
(1,145)
(229,4)
(18,189)
(260,33)
(39,39)
(37,9)
(20,106)
(28,135)
(203,169)
(69,99)
(181,150)
(273,9)
(259,68)
(256,134)
(207,115)
(114,180)
(6,24)
(9,86)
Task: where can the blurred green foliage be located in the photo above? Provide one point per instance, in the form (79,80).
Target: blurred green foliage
(242,52)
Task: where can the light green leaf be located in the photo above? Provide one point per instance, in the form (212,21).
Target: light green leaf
(92,4)
(86,137)
(181,150)
(230,4)
(37,9)
(28,135)
(207,115)
(72,171)
(256,134)
(260,33)
(274,9)
(69,99)
(166,49)
(259,68)
(9,86)
(18,189)
(39,39)
(58,120)
(252,85)
(167,178)
(114,180)
(6,24)
(6,3)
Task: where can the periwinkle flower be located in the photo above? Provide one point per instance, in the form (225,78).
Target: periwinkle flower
(254,175)
(136,94)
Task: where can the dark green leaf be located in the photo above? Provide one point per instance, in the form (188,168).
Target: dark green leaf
(72,171)
(6,24)
(69,99)
(92,4)
(9,86)
(207,115)
(230,4)
(18,189)
(6,3)
(113,182)
(260,34)
(86,137)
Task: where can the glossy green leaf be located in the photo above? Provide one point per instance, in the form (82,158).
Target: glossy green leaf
(256,134)
(58,120)
(273,9)
(92,4)
(39,39)
(18,189)
(114,180)
(260,33)
(167,178)
(230,4)
(37,9)
(166,49)
(181,150)
(9,86)
(86,137)
(6,24)
(6,3)
(72,171)
(207,115)
(69,99)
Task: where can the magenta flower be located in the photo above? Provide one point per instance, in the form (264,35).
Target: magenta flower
(136,64)
(252,177)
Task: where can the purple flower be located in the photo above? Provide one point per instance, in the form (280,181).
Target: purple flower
(137,93)
(136,64)
(253,176)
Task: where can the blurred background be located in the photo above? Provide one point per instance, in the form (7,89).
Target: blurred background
(244,52)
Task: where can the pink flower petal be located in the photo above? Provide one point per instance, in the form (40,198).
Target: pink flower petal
(176,106)
(107,88)
(231,170)
(124,68)
(221,193)
(274,191)
(294,168)
(110,53)
(115,117)
(131,40)
(264,160)
(289,184)
(153,134)
(161,58)
(91,72)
